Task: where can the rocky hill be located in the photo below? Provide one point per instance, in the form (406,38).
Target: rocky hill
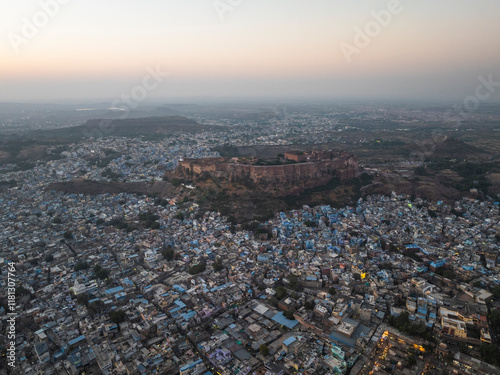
(131,127)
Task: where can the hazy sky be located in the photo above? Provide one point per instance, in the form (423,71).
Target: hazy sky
(101,49)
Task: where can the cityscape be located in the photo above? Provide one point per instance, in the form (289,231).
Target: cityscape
(260,213)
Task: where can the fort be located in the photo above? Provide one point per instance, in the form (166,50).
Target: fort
(297,169)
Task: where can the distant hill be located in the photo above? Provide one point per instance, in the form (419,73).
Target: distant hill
(132,127)
(452,148)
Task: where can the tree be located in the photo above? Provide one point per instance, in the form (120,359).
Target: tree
(420,171)
(168,253)
(412,361)
(264,350)
(280,292)
(386,266)
(197,268)
(496,292)
(431,213)
(289,314)
(495,319)
(383,244)
(309,305)
(95,307)
(68,235)
(21,291)
(83,299)
(332,291)
(449,274)
(179,216)
(218,266)
(100,273)
(310,224)
(490,353)
(357,276)
(57,220)
(49,258)
(117,316)
(81,265)
(293,281)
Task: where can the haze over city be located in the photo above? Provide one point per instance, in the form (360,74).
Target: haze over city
(249,187)
(284,48)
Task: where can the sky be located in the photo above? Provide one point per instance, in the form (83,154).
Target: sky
(57,50)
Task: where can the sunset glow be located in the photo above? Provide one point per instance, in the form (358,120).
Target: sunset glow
(94,49)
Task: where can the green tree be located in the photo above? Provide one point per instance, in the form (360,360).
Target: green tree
(496,292)
(101,273)
(383,244)
(95,307)
(197,268)
(293,281)
(309,305)
(81,265)
(289,314)
(280,292)
(83,299)
(357,276)
(264,350)
(332,291)
(218,266)
(68,235)
(168,253)
(495,319)
(412,361)
(310,224)
(117,316)
(449,274)
(49,258)
(490,353)
(21,291)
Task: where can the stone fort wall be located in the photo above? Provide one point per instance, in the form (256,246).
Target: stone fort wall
(305,172)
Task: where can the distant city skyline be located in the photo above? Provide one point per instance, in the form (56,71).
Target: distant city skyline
(73,50)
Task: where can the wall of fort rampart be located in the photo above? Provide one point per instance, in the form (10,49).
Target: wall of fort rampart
(344,167)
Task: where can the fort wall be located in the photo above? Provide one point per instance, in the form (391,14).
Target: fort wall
(323,166)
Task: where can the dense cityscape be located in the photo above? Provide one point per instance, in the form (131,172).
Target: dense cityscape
(230,187)
(144,283)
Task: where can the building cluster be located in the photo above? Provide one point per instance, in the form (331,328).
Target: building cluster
(309,291)
(132,284)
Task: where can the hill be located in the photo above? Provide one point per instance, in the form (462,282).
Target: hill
(451,148)
(132,127)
